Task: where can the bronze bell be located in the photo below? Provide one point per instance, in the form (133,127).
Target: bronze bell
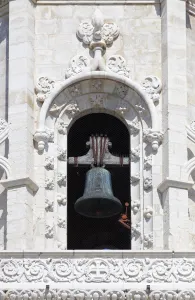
(98,200)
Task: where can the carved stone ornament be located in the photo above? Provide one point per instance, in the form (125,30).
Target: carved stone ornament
(61,154)
(78,64)
(95,294)
(49,231)
(134,127)
(50,134)
(135,178)
(72,109)
(122,107)
(136,230)
(121,90)
(62,127)
(135,206)
(61,179)
(153,87)
(96,85)
(61,222)
(49,183)
(43,88)
(148,212)
(66,269)
(62,246)
(117,64)
(98,100)
(49,204)
(148,241)
(49,162)
(147,183)
(135,154)
(96,30)
(154,137)
(75,90)
(148,162)
(61,199)
(41,137)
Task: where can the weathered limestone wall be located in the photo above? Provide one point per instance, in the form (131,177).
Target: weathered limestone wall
(139,41)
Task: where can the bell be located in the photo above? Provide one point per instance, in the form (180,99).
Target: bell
(98,200)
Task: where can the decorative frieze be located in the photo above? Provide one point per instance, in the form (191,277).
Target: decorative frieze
(126,268)
(43,88)
(152,86)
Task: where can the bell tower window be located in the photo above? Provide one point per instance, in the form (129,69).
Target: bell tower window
(112,232)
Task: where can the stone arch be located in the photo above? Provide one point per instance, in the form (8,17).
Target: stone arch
(124,99)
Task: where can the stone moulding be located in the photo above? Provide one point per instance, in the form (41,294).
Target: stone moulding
(178,184)
(164,269)
(27,181)
(69,2)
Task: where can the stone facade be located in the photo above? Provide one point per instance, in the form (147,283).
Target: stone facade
(61,60)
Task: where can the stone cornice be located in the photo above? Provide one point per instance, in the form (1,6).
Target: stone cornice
(25,181)
(179,184)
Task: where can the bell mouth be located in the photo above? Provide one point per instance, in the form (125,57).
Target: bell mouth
(93,207)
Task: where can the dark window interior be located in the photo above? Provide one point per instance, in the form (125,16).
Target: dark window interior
(89,233)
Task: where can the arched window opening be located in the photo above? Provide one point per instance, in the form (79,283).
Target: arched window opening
(95,233)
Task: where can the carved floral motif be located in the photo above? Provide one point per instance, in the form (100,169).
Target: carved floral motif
(136,230)
(152,86)
(49,204)
(135,154)
(147,183)
(135,178)
(117,64)
(134,127)
(43,88)
(61,154)
(98,100)
(148,162)
(61,179)
(72,109)
(62,127)
(61,222)
(49,231)
(96,85)
(121,90)
(78,64)
(97,30)
(75,90)
(49,162)
(148,212)
(61,199)
(49,183)
(148,241)
(135,206)
(50,135)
